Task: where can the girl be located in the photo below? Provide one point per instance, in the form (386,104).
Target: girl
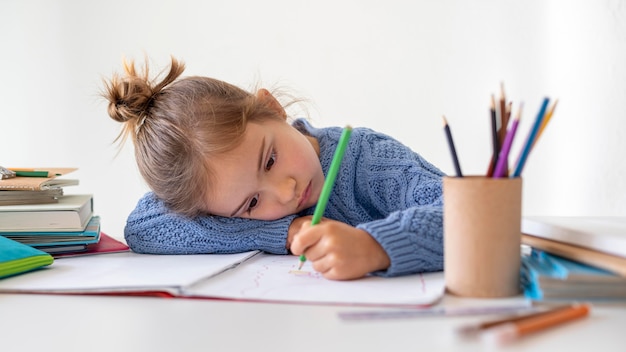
(229,174)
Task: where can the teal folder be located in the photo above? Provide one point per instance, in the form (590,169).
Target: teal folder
(17,258)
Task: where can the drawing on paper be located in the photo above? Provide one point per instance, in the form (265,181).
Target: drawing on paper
(299,272)
(277,277)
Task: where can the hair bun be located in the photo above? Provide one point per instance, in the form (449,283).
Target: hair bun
(130,96)
(133,94)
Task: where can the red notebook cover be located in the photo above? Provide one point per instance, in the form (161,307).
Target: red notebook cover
(107,244)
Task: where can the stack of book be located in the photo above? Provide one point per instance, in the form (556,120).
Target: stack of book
(35,211)
(574,258)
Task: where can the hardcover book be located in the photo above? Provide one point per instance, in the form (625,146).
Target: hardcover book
(70,213)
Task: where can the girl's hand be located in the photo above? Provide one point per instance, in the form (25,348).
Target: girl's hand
(337,250)
(294,227)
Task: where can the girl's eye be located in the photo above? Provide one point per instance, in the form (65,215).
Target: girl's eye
(270,161)
(253,203)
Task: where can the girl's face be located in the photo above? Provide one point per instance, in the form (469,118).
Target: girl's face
(273,173)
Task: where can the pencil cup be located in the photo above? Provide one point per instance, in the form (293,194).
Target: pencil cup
(482,235)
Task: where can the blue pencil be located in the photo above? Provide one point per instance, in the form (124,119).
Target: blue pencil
(521,160)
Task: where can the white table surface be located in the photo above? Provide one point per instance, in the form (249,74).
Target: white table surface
(34,322)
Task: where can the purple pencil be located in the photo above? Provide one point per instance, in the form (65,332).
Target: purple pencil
(506,146)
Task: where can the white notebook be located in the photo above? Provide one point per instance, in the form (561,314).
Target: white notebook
(246,276)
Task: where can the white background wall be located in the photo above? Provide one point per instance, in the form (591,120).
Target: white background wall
(393,65)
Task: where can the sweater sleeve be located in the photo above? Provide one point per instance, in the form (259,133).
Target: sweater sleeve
(154,229)
(407,191)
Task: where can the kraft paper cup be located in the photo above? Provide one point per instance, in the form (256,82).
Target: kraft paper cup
(482,235)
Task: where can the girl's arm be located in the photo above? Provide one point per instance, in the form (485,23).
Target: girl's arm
(408,193)
(389,200)
(152,228)
(412,238)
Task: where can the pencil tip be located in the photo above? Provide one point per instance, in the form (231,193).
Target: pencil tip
(300,265)
(556,101)
(519,111)
(445,122)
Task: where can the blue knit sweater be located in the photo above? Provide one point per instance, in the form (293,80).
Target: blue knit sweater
(382,187)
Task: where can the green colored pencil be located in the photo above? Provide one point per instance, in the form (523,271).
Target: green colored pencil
(329,182)
(31,173)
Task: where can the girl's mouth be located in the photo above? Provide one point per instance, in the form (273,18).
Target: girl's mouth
(305,195)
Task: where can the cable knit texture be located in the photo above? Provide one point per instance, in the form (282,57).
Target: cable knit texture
(382,187)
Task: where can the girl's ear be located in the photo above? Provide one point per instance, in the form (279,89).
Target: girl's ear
(264,94)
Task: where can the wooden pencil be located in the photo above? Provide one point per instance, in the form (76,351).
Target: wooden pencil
(504,116)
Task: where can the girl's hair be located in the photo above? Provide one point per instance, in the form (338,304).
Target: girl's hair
(177,124)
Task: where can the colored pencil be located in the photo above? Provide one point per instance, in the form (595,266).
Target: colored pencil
(329,182)
(473,330)
(545,121)
(494,137)
(514,308)
(521,160)
(504,116)
(455,158)
(509,109)
(502,166)
(31,173)
(28,172)
(507,332)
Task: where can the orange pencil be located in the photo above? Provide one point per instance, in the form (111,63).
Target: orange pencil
(507,332)
(545,121)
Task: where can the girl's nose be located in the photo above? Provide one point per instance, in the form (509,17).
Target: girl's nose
(285,190)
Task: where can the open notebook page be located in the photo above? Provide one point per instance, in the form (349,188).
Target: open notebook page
(276,278)
(247,276)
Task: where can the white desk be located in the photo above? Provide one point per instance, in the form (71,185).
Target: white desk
(102,323)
